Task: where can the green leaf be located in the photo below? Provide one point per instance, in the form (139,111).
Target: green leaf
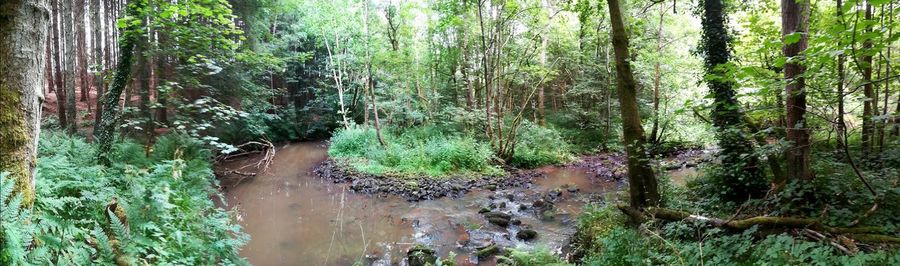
(793,37)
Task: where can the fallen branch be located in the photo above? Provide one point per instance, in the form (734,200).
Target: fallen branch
(267,149)
(861,233)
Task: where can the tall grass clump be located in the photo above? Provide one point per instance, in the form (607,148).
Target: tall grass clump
(417,152)
(538,146)
(155,209)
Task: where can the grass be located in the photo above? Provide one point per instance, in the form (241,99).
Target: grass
(442,151)
(416,152)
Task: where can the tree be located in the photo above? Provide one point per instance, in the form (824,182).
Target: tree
(643,187)
(81,47)
(740,174)
(869,102)
(69,36)
(23,31)
(127,41)
(58,51)
(794,28)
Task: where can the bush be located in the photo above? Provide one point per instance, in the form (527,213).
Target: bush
(604,240)
(142,210)
(538,146)
(416,152)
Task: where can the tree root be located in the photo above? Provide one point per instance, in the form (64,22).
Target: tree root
(869,234)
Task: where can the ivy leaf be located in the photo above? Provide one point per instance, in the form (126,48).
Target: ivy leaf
(793,37)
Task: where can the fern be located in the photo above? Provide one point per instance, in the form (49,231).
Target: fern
(15,230)
(119,229)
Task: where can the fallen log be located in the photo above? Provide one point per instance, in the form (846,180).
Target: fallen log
(871,234)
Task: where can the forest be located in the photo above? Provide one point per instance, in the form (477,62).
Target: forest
(449,132)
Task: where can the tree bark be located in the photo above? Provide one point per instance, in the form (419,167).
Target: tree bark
(642,183)
(69,36)
(23,33)
(795,17)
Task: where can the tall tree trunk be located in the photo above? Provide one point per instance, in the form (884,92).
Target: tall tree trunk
(642,183)
(58,52)
(69,36)
(338,79)
(740,173)
(143,81)
(841,125)
(657,77)
(97,37)
(81,47)
(795,17)
(370,84)
(106,135)
(887,73)
(868,88)
(23,31)
(608,129)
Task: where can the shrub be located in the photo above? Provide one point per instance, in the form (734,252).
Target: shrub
(538,146)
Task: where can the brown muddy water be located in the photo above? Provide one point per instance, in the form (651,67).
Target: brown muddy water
(296,218)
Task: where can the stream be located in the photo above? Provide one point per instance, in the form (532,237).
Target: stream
(296,218)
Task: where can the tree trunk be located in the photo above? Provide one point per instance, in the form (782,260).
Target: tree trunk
(23,31)
(657,78)
(81,47)
(108,126)
(740,173)
(795,17)
(58,52)
(370,84)
(143,80)
(69,36)
(642,183)
(97,38)
(868,89)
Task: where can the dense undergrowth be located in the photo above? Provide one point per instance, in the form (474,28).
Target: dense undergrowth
(438,151)
(144,209)
(605,238)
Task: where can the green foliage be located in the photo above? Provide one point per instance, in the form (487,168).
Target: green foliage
(164,201)
(538,146)
(15,228)
(679,243)
(424,151)
(539,257)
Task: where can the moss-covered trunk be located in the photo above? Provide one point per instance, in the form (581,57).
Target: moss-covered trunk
(740,173)
(23,31)
(108,124)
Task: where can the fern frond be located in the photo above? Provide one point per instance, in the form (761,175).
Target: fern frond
(118,228)
(103,242)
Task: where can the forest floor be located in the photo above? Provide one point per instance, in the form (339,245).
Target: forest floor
(87,109)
